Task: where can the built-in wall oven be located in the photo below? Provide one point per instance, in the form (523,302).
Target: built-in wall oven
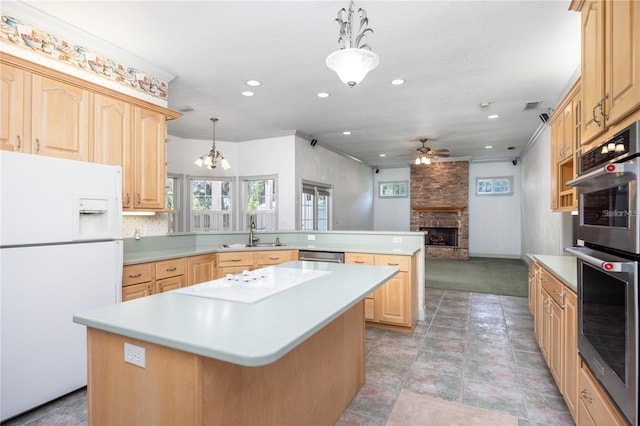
(608,253)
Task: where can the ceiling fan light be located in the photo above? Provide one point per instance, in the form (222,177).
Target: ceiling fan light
(199,161)
(208,161)
(225,164)
(427,160)
(417,160)
(352,65)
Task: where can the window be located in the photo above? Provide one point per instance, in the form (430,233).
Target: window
(314,213)
(259,199)
(494,186)
(211,207)
(172,190)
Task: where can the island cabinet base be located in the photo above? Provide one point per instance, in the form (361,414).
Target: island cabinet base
(312,384)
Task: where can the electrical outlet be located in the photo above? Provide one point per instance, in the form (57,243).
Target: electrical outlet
(135,355)
(311,237)
(397,239)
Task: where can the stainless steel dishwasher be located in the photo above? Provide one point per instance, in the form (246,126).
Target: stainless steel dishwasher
(321,256)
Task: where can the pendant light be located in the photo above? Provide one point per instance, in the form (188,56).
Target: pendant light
(353,61)
(210,159)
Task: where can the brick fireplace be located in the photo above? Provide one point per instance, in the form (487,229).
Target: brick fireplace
(439,207)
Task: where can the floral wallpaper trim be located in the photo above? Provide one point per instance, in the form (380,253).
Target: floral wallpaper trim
(25,40)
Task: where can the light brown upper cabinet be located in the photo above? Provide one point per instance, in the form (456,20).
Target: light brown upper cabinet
(610,64)
(59,119)
(12,101)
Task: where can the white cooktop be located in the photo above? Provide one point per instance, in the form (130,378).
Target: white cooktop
(252,286)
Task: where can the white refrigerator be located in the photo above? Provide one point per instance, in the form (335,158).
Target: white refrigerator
(60,253)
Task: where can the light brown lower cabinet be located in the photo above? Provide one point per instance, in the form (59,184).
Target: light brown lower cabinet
(394,305)
(145,279)
(556,329)
(594,407)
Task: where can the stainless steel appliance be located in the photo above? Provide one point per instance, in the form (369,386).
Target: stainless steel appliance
(608,253)
(321,256)
(608,192)
(608,323)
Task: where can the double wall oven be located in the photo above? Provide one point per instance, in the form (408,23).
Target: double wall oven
(608,254)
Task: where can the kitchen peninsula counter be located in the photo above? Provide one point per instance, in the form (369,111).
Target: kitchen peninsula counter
(294,357)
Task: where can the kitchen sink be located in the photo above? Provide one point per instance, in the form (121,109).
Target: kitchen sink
(240,245)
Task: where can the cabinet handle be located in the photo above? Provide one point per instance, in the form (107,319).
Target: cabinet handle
(138,199)
(171,269)
(136,275)
(160,287)
(128,198)
(601,103)
(274,258)
(148,289)
(37,145)
(359,261)
(236,260)
(585,395)
(19,142)
(393,264)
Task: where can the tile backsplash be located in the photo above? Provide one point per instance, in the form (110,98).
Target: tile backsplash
(148,225)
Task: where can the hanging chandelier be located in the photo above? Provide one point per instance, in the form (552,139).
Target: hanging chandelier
(354,60)
(210,159)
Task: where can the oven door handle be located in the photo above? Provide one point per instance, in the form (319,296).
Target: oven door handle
(611,168)
(599,263)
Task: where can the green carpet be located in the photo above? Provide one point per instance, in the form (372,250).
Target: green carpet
(505,277)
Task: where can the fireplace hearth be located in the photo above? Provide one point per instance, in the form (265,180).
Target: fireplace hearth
(437,236)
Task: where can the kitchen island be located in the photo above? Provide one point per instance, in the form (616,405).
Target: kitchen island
(293,357)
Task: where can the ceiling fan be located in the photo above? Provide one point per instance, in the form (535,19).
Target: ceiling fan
(425,154)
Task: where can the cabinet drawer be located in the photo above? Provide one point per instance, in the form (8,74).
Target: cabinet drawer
(596,402)
(554,287)
(359,258)
(169,268)
(235,259)
(136,274)
(400,262)
(273,257)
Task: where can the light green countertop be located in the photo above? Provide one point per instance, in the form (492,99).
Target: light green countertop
(249,334)
(143,256)
(564,268)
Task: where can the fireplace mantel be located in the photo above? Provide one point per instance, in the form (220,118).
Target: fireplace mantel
(441,209)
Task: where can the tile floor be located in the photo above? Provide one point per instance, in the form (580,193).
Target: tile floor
(473,348)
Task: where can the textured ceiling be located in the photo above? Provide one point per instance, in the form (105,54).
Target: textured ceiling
(454,55)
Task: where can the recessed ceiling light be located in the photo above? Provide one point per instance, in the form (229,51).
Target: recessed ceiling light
(398,81)
(382,155)
(346,132)
(322,95)
(253,83)
(248,93)
(492,116)
(488,146)
(485,104)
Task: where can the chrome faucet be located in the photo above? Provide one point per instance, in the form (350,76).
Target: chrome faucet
(252,227)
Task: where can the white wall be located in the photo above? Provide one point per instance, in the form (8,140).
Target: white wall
(391,214)
(352,184)
(494,220)
(543,231)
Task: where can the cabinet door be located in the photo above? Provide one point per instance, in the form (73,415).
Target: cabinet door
(112,139)
(622,58)
(392,300)
(12,100)
(201,269)
(136,291)
(60,119)
(592,69)
(169,284)
(149,159)
(571,358)
(555,350)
